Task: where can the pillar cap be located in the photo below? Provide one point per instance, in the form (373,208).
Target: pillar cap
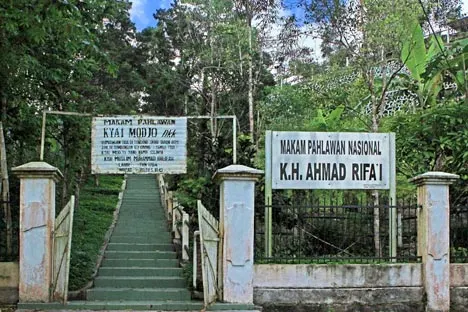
(37,169)
(237,172)
(435,177)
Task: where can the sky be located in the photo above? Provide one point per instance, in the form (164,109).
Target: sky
(142,15)
(142,11)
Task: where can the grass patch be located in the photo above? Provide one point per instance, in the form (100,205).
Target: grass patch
(91,222)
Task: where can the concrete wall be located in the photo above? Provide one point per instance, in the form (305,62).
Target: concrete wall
(9,281)
(352,287)
(459,284)
(368,287)
(459,274)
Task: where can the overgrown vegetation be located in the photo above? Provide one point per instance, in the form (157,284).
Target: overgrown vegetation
(91,222)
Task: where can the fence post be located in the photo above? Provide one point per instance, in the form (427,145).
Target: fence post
(434,237)
(169,205)
(37,218)
(236,216)
(185,236)
(176,216)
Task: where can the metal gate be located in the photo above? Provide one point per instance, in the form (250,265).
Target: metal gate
(62,249)
(209,241)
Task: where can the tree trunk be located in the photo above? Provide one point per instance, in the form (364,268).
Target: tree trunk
(214,121)
(4,109)
(375,193)
(377,243)
(6,194)
(250,94)
(214,86)
(81,178)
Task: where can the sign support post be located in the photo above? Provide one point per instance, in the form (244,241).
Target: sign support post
(268,194)
(393,214)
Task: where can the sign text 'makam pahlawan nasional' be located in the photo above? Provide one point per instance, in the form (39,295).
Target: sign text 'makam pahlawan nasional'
(139,144)
(330,160)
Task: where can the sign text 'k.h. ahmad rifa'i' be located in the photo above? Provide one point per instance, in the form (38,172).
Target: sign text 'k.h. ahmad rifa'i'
(320,160)
(139,144)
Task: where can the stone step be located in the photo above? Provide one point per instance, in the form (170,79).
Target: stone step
(135,227)
(159,223)
(143,263)
(155,236)
(140,282)
(153,305)
(168,294)
(137,232)
(148,219)
(143,215)
(140,271)
(141,196)
(139,247)
(132,208)
(144,218)
(143,204)
(140,254)
(158,239)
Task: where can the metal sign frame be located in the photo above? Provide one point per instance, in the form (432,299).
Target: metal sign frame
(50,112)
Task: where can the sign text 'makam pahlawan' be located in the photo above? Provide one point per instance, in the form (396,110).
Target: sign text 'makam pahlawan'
(321,160)
(139,144)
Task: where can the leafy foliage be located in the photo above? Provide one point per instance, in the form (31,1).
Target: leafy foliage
(434,140)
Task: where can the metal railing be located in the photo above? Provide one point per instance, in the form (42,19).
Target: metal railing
(177,217)
(312,233)
(459,234)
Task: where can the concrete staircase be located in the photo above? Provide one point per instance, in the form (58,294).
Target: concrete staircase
(140,270)
(140,263)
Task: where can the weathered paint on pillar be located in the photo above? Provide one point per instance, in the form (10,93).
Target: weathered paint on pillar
(237,194)
(37,217)
(434,237)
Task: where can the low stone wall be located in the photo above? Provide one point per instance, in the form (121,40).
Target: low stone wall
(9,281)
(459,287)
(368,287)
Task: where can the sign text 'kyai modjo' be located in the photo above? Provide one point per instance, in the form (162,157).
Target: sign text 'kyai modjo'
(321,160)
(139,144)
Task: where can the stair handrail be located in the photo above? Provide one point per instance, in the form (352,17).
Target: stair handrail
(166,196)
(175,214)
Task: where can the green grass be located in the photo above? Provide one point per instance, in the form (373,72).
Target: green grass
(91,221)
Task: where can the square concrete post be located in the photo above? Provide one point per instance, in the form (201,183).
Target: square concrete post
(37,218)
(236,216)
(434,237)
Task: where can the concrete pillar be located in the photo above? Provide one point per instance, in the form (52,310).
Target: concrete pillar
(37,218)
(434,237)
(236,216)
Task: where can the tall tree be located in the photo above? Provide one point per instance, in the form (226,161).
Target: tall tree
(262,12)
(371,34)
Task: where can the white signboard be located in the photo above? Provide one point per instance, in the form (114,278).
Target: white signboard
(139,144)
(330,160)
